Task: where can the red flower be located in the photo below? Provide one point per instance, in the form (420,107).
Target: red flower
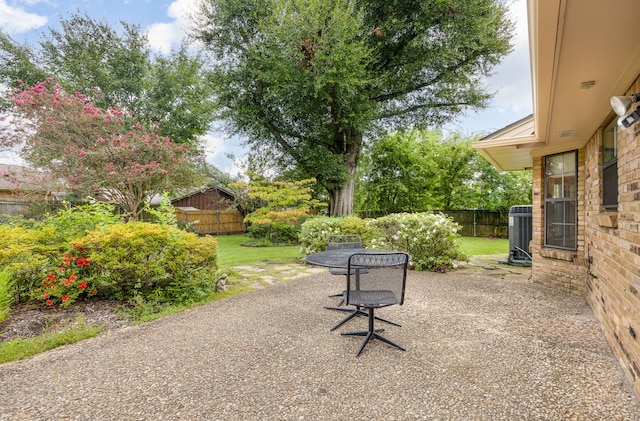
(64,298)
(83,285)
(72,277)
(49,302)
(61,269)
(82,261)
(46,294)
(67,282)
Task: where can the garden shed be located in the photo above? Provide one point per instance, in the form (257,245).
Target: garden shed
(210,211)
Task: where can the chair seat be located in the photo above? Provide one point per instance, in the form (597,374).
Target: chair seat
(372,298)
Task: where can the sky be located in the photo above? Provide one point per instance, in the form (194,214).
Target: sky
(165,21)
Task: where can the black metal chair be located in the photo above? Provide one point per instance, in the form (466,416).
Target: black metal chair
(339,242)
(383,285)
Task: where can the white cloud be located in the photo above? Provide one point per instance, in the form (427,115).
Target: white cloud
(512,79)
(164,36)
(217,148)
(510,82)
(15,20)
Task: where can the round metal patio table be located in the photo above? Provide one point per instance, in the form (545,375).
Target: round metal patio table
(339,258)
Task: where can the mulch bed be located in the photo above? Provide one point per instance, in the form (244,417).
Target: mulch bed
(28,320)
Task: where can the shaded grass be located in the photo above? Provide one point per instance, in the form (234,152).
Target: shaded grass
(231,253)
(473,246)
(19,349)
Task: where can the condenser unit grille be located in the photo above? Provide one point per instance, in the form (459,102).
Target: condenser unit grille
(520,234)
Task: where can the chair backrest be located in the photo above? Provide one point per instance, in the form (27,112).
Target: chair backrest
(379,276)
(344,241)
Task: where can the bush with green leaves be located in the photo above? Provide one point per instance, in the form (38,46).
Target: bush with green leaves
(158,262)
(66,283)
(272,234)
(145,259)
(164,213)
(7,293)
(31,250)
(315,231)
(75,221)
(429,237)
(27,253)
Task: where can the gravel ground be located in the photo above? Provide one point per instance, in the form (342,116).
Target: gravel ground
(478,348)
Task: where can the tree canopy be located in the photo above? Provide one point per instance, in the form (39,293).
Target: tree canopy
(306,80)
(85,55)
(104,152)
(420,170)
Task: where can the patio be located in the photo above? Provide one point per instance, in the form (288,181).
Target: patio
(479,347)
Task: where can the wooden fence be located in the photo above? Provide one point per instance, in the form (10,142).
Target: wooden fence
(212,221)
(480,223)
(29,209)
(13,207)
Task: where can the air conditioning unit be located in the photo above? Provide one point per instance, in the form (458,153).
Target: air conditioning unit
(520,234)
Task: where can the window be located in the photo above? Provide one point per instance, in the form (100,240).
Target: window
(610,166)
(560,200)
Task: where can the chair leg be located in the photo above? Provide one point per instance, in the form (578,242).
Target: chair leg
(338,295)
(353,313)
(371,333)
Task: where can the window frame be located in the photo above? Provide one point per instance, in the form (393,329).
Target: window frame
(552,201)
(609,169)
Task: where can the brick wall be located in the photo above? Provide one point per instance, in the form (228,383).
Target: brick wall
(613,242)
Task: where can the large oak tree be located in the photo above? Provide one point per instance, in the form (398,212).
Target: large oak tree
(306,80)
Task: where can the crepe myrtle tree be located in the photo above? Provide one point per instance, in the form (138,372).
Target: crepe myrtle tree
(82,54)
(307,80)
(92,150)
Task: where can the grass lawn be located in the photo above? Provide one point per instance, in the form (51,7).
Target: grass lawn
(231,253)
(473,246)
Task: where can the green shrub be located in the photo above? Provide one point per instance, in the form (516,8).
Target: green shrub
(75,221)
(157,262)
(67,282)
(314,232)
(270,234)
(164,213)
(7,293)
(28,254)
(430,238)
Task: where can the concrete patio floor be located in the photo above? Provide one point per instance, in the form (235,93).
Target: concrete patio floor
(480,346)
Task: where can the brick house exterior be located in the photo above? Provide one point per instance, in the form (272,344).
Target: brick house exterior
(586,167)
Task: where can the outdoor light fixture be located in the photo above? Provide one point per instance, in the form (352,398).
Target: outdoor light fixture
(622,104)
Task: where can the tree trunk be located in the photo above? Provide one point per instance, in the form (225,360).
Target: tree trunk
(341,199)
